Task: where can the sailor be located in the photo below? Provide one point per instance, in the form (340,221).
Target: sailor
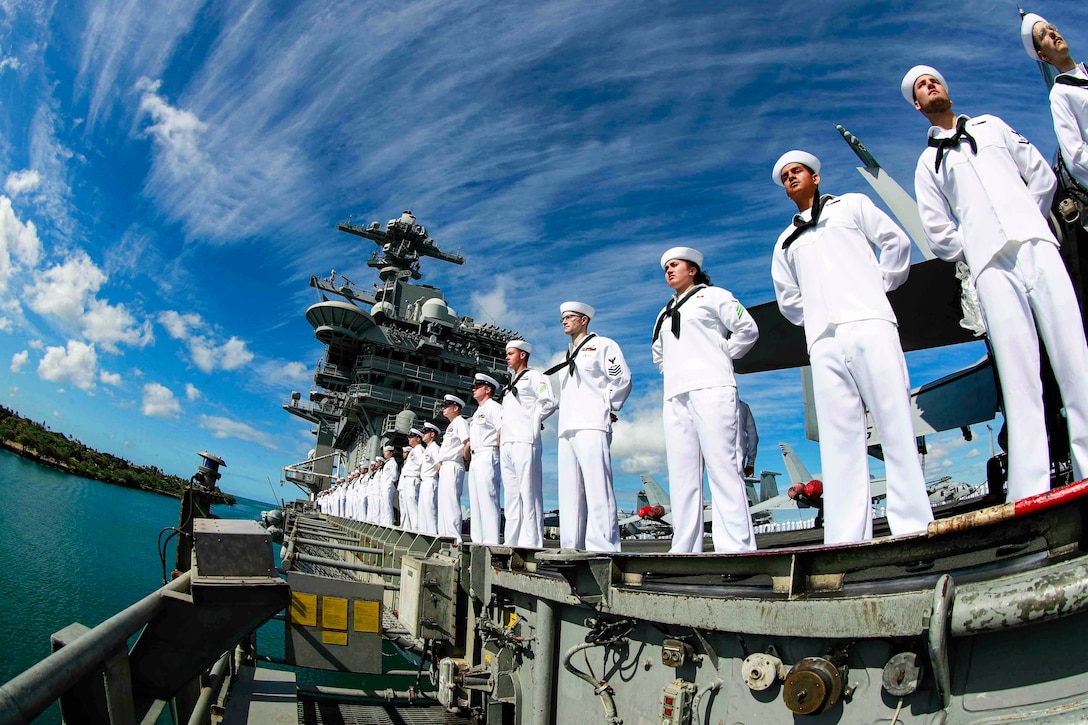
(374,505)
(1068,96)
(984,194)
(697,336)
(427,503)
(451,468)
(828,278)
(594,382)
(409,482)
(483,475)
(401,498)
(749,438)
(527,401)
(386,485)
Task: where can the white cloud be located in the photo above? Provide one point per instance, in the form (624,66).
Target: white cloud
(191,392)
(226,428)
(20,247)
(205,353)
(18,360)
(638,438)
(159,401)
(10,62)
(973,453)
(19,182)
(36,344)
(5,324)
(74,364)
(280,374)
(113,379)
(69,291)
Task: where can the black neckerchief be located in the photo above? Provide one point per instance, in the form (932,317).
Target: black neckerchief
(801,225)
(510,387)
(953,141)
(673,310)
(569,362)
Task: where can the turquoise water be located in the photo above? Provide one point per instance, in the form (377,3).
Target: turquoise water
(75,550)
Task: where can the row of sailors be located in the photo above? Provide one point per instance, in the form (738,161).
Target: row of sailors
(365,494)
(984,194)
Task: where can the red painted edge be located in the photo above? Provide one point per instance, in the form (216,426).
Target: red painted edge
(1049,499)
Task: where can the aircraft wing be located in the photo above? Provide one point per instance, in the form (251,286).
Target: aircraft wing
(655,494)
(927,307)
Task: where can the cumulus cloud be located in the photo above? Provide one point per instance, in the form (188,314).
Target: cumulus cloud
(18,360)
(108,378)
(5,324)
(36,344)
(74,364)
(68,291)
(19,182)
(206,353)
(20,247)
(282,374)
(226,428)
(159,401)
(191,392)
(638,438)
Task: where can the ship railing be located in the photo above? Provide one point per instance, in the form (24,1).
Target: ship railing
(375,362)
(425,403)
(27,695)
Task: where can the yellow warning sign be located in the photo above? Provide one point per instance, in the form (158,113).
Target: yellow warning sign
(334,613)
(328,637)
(304,609)
(367,616)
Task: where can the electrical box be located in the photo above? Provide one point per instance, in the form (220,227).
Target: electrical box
(428,597)
(676,703)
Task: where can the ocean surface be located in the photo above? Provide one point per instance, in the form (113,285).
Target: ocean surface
(76,550)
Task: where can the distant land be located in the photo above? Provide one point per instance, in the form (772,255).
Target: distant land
(55,450)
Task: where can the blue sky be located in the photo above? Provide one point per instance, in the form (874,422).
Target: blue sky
(173,172)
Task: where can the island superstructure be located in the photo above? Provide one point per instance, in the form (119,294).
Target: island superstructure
(391,353)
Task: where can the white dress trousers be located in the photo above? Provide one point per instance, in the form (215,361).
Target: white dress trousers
(409,491)
(1026,286)
(451,478)
(483,495)
(522,491)
(709,414)
(587,504)
(862,362)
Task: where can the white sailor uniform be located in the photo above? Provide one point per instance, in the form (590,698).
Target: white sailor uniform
(590,392)
(409,489)
(700,415)
(451,478)
(1069,107)
(830,280)
(427,503)
(387,478)
(1000,196)
(483,474)
(529,400)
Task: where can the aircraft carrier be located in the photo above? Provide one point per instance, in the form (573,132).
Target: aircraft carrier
(980,619)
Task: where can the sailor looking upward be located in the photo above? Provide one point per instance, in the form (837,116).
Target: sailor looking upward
(451,468)
(426,505)
(483,473)
(1068,97)
(828,278)
(983,195)
(594,382)
(409,482)
(698,334)
(527,401)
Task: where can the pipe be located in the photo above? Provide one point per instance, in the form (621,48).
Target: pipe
(602,688)
(27,695)
(340,564)
(544,663)
(209,691)
(341,547)
(389,695)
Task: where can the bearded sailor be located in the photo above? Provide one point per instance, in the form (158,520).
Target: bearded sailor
(451,468)
(1068,96)
(698,334)
(984,194)
(828,278)
(483,473)
(426,505)
(409,482)
(527,401)
(594,382)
